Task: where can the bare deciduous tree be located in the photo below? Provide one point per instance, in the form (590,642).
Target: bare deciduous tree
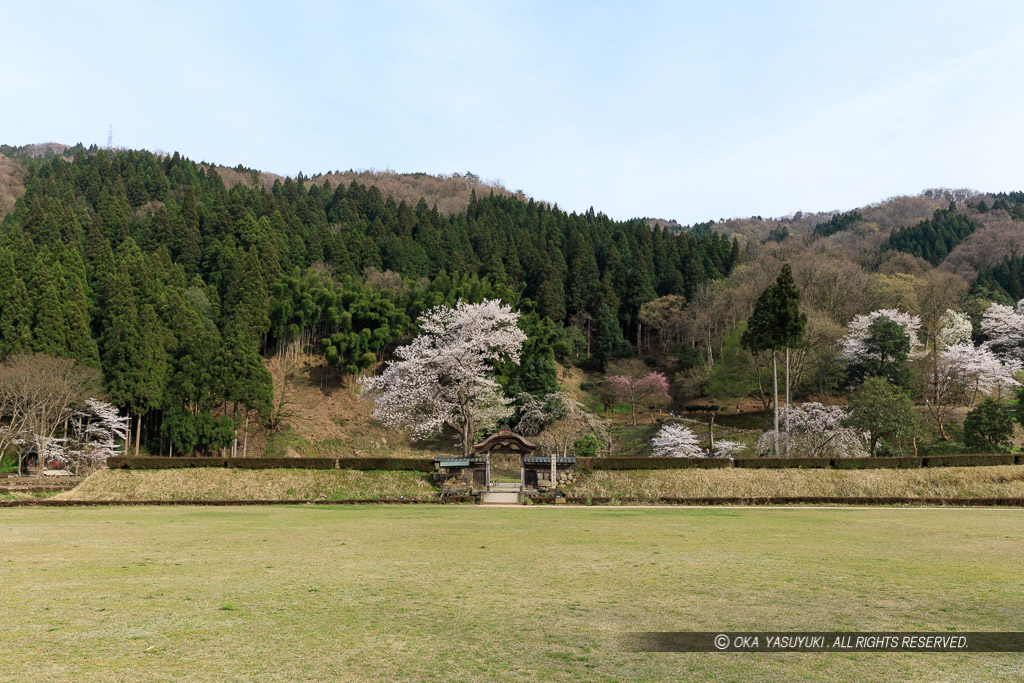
(37,394)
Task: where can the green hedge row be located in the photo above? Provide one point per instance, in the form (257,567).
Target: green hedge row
(782,463)
(971,460)
(786,500)
(641,463)
(50,502)
(154,463)
(652,463)
(904,462)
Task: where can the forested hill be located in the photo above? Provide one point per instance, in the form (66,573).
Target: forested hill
(449,192)
(152,269)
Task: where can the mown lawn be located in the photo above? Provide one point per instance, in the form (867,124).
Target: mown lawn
(470,593)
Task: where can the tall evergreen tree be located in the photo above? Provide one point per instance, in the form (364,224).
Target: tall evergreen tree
(775,324)
(15,311)
(791,324)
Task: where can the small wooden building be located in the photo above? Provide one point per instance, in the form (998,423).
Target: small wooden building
(474,472)
(458,474)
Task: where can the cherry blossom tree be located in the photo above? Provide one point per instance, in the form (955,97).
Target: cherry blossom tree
(978,371)
(676,441)
(97,432)
(854,344)
(728,449)
(817,430)
(100,428)
(444,376)
(634,385)
(954,328)
(1004,328)
(880,343)
(963,373)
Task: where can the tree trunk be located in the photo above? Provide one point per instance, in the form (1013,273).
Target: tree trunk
(245,434)
(711,432)
(787,400)
(765,402)
(138,432)
(775,399)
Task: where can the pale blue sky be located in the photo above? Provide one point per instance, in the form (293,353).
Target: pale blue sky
(685,110)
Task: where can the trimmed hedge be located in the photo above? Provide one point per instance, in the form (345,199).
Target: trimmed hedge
(151,463)
(782,463)
(837,500)
(969,460)
(901,462)
(909,462)
(281,463)
(50,502)
(403,464)
(634,463)
(652,463)
(160,463)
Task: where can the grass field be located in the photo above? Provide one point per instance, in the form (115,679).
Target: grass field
(216,483)
(946,482)
(469,593)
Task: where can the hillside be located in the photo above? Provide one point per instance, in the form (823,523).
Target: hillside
(11,185)
(186,287)
(449,193)
(176,286)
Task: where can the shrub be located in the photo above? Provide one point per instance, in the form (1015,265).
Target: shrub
(988,428)
(783,463)
(151,463)
(906,462)
(281,463)
(8,463)
(394,464)
(587,446)
(968,460)
(653,463)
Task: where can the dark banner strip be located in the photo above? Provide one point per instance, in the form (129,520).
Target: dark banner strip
(825,641)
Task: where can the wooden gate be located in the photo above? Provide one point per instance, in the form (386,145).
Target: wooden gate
(479,479)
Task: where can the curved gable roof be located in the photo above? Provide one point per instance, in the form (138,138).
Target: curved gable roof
(505,437)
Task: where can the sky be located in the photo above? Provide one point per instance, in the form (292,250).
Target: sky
(690,111)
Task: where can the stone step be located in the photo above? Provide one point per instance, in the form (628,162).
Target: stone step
(500,497)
